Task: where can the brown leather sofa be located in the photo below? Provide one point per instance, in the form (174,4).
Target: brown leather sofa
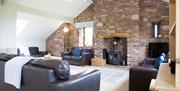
(140,76)
(83,59)
(42,79)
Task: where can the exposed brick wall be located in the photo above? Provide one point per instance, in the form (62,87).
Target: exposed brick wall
(153,11)
(129,16)
(55,42)
(134,17)
(118,16)
(86,15)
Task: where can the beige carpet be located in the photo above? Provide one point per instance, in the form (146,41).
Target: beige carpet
(109,76)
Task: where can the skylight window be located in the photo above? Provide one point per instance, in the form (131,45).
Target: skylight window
(20,25)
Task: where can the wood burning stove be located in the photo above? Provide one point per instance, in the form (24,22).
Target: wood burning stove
(116,51)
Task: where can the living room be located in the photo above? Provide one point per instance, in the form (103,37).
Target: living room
(89,45)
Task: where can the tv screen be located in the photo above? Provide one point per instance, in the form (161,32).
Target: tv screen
(155,49)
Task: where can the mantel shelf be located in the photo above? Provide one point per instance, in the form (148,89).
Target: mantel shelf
(113,35)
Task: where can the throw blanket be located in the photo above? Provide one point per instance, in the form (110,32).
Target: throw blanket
(13,70)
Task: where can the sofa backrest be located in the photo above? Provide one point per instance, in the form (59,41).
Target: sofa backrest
(89,50)
(2,63)
(33,50)
(86,50)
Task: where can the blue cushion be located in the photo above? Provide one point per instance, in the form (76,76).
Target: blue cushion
(159,61)
(77,52)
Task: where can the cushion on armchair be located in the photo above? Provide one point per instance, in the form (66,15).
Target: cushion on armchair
(159,60)
(77,52)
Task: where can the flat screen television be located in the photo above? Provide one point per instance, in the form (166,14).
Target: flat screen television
(155,49)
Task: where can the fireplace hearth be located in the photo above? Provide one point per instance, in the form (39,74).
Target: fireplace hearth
(115,51)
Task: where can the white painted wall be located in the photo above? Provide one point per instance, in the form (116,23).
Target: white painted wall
(25,43)
(7,26)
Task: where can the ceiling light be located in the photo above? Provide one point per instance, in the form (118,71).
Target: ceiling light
(66,29)
(69,0)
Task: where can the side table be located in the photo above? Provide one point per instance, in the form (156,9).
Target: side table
(97,61)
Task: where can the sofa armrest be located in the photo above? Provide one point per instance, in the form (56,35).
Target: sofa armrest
(140,78)
(86,59)
(86,81)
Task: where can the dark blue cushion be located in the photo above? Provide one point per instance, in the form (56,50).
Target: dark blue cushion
(77,52)
(159,61)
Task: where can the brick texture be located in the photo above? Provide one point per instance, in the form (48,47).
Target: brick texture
(134,17)
(55,44)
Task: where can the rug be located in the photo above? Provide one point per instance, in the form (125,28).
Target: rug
(112,76)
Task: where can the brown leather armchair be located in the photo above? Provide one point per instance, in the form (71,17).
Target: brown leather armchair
(140,76)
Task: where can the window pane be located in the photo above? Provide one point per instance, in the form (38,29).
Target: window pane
(89,36)
(81,37)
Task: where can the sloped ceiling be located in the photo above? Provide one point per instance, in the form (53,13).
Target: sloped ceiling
(45,16)
(40,18)
(35,27)
(65,8)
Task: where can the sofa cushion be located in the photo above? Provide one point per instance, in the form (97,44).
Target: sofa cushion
(61,68)
(6,57)
(159,60)
(67,57)
(74,58)
(77,52)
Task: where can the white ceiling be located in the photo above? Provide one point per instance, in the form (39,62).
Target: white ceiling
(65,8)
(43,17)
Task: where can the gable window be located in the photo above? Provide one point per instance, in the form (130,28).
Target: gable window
(86,37)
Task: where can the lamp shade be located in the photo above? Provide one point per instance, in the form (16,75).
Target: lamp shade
(66,29)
